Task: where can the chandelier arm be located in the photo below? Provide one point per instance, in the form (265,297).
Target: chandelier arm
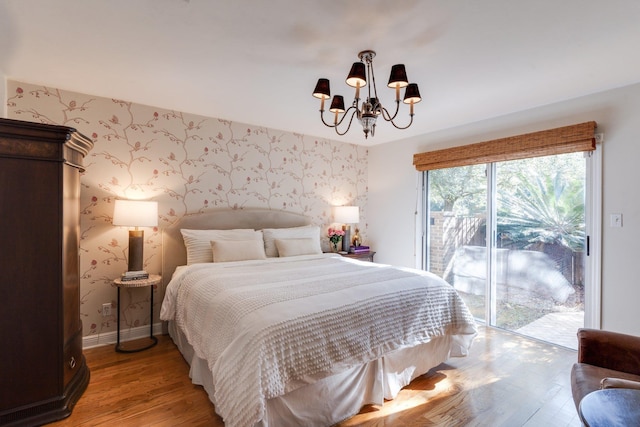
(341,120)
(385,113)
(402,127)
(348,127)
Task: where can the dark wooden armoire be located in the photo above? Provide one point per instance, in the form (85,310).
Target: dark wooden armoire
(42,369)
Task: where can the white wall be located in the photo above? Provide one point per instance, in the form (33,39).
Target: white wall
(392,188)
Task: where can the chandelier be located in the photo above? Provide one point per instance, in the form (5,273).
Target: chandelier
(367,111)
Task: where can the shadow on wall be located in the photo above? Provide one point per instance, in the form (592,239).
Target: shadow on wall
(530,272)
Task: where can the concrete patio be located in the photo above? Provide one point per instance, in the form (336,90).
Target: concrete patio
(558,328)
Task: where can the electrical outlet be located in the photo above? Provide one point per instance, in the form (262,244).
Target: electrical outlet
(106,309)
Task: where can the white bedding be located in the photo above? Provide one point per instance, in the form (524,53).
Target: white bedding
(271,326)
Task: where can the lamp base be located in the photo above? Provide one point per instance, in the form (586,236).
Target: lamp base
(136,244)
(346,239)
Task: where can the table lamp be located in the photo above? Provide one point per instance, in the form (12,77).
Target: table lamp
(347,215)
(135,213)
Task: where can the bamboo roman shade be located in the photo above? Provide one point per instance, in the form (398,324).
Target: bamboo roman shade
(567,139)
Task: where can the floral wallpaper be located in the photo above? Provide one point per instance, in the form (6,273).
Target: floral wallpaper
(189,164)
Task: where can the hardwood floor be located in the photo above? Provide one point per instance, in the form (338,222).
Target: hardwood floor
(506,381)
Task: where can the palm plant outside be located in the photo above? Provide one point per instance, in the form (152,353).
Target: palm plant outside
(541,200)
(543,203)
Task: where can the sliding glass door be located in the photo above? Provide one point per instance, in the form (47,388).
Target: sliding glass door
(510,237)
(458,231)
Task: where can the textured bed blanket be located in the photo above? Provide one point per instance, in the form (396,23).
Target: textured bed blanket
(267,327)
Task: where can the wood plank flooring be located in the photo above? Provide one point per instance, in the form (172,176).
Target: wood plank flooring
(506,381)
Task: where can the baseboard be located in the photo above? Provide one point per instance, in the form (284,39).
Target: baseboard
(125,335)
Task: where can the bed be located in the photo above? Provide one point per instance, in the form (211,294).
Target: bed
(279,333)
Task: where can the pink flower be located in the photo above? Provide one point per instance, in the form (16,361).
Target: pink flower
(335,234)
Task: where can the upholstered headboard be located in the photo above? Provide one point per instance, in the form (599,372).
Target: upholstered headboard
(174,252)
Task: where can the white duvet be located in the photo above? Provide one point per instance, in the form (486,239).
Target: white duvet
(267,327)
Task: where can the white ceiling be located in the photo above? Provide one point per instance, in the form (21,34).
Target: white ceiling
(257,61)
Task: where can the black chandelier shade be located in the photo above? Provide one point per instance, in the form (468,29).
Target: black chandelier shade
(370,108)
(412,94)
(322,90)
(398,76)
(337,104)
(357,76)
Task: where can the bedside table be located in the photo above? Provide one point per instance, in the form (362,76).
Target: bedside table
(153,280)
(364,256)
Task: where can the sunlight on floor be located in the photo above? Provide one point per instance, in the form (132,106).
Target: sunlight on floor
(414,398)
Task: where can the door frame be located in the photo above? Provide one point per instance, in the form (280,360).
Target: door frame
(593,211)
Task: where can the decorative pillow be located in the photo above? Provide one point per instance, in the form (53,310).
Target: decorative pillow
(198,242)
(271,234)
(237,250)
(293,247)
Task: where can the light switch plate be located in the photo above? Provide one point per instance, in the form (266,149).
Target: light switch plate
(616,220)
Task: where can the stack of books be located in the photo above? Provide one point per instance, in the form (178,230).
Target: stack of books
(359,249)
(134,275)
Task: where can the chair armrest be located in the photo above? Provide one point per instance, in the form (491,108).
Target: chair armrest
(619,383)
(611,350)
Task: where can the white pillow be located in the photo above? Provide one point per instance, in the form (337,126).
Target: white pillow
(237,250)
(293,247)
(198,242)
(271,234)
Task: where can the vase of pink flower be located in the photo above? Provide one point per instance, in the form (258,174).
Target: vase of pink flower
(335,236)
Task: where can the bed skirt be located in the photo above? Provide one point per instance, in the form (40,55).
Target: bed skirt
(326,401)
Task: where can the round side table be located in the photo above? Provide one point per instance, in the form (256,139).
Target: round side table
(153,280)
(611,407)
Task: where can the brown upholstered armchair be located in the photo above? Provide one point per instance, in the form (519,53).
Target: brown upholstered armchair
(608,356)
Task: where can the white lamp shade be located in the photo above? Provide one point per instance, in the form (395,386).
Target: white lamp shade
(346,214)
(135,213)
